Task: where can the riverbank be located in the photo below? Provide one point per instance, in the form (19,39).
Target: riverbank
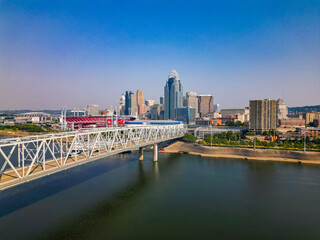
(15,133)
(245,153)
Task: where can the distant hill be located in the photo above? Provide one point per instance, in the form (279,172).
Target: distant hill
(54,112)
(315,108)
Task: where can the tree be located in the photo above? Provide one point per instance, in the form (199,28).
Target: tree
(188,137)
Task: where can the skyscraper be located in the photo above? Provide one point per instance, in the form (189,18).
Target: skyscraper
(205,104)
(173,95)
(122,105)
(263,114)
(140,103)
(127,110)
(192,101)
(139,97)
(133,105)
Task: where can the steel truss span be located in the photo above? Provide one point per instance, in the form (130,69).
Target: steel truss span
(27,158)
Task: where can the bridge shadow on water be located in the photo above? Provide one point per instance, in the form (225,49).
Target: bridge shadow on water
(79,227)
(18,197)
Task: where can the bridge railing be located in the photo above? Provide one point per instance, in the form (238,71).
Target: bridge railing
(21,157)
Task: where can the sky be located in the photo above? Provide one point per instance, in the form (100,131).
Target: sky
(74,53)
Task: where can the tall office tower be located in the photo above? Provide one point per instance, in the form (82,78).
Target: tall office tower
(93,110)
(263,114)
(139,97)
(173,95)
(205,105)
(122,104)
(192,101)
(127,109)
(133,105)
(140,102)
(162,100)
(282,109)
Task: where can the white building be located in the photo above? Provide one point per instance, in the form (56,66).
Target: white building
(93,110)
(282,110)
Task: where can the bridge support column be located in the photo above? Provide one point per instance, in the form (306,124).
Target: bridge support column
(155,152)
(141,154)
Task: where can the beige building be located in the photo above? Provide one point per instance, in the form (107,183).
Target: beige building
(133,109)
(310,116)
(140,103)
(241,114)
(263,114)
(93,110)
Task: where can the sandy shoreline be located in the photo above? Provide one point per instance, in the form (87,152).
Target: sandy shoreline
(15,133)
(247,154)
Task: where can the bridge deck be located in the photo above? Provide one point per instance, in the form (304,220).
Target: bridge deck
(9,178)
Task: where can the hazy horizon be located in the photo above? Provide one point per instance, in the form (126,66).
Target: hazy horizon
(75,53)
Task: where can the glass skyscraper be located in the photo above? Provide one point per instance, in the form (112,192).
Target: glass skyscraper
(173,95)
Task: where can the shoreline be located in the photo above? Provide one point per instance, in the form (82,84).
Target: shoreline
(298,157)
(15,133)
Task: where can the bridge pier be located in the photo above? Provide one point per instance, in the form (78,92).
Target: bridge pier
(140,153)
(155,152)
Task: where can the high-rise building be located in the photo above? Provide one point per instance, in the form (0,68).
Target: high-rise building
(162,100)
(122,104)
(139,97)
(127,110)
(133,106)
(173,95)
(93,110)
(186,115)
(282,109)
(140,103)
(263,114)
(205,105)
(192,101)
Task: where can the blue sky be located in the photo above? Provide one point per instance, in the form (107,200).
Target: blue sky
(74,53)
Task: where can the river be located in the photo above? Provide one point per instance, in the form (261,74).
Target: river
(180,197)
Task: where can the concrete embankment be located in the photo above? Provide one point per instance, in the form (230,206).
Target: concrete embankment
(245,153)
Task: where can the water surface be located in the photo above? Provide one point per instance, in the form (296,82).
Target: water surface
(180,197)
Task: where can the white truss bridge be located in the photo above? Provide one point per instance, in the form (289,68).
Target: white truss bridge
(28,158)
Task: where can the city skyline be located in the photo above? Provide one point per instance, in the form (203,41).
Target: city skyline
(58,54)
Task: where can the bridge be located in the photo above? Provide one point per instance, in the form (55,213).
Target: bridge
(28,158)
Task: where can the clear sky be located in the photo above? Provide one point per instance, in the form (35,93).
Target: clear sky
(74,53)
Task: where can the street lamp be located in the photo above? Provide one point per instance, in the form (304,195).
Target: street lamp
(254,143)
(211,134)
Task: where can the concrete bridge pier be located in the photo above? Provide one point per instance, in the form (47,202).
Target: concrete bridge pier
(140,153)
(155,152)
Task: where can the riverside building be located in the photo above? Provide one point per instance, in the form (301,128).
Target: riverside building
(263,115)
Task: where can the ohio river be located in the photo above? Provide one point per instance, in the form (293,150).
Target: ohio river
(180,197)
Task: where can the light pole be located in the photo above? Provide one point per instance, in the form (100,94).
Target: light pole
(254,143)
(211,134)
